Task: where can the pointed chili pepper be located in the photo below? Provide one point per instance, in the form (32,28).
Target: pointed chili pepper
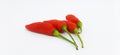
(74,19)
(61,26)
(46,28)
(72,27)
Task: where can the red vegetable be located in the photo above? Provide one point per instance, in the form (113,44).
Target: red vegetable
(55,22)
(61,26)
(45,28)
(73,28)
(70,26)
(74,19)
(40,27)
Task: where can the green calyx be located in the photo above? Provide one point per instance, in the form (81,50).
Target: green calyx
(76,31)
(64,27)
(79,24)
(56,33)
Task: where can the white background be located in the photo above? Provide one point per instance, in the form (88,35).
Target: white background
(100,27)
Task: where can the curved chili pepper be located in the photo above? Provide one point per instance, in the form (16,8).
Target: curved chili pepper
(61,26)
(74,19)
(72,27)
(46,28)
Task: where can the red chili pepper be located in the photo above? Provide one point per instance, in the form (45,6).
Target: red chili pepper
(45,28)
(74,19)
(55,22)
(73,28)
(61,26)
(40,27)
(70,26)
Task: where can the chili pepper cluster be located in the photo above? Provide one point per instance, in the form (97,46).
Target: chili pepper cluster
(55,27)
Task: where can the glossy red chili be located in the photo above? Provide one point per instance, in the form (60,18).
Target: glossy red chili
(41,27)
(74,19)
(71,26)
(52,22)
(57,24)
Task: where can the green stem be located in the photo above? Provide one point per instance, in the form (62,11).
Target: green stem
(66,39)
(56,33)
(65,29)
(76,32)
(80,40)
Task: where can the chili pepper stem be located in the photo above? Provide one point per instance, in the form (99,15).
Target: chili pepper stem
(65,29)
(66,39)
(77,33)
(69,41)
(80,40)
(56,33)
